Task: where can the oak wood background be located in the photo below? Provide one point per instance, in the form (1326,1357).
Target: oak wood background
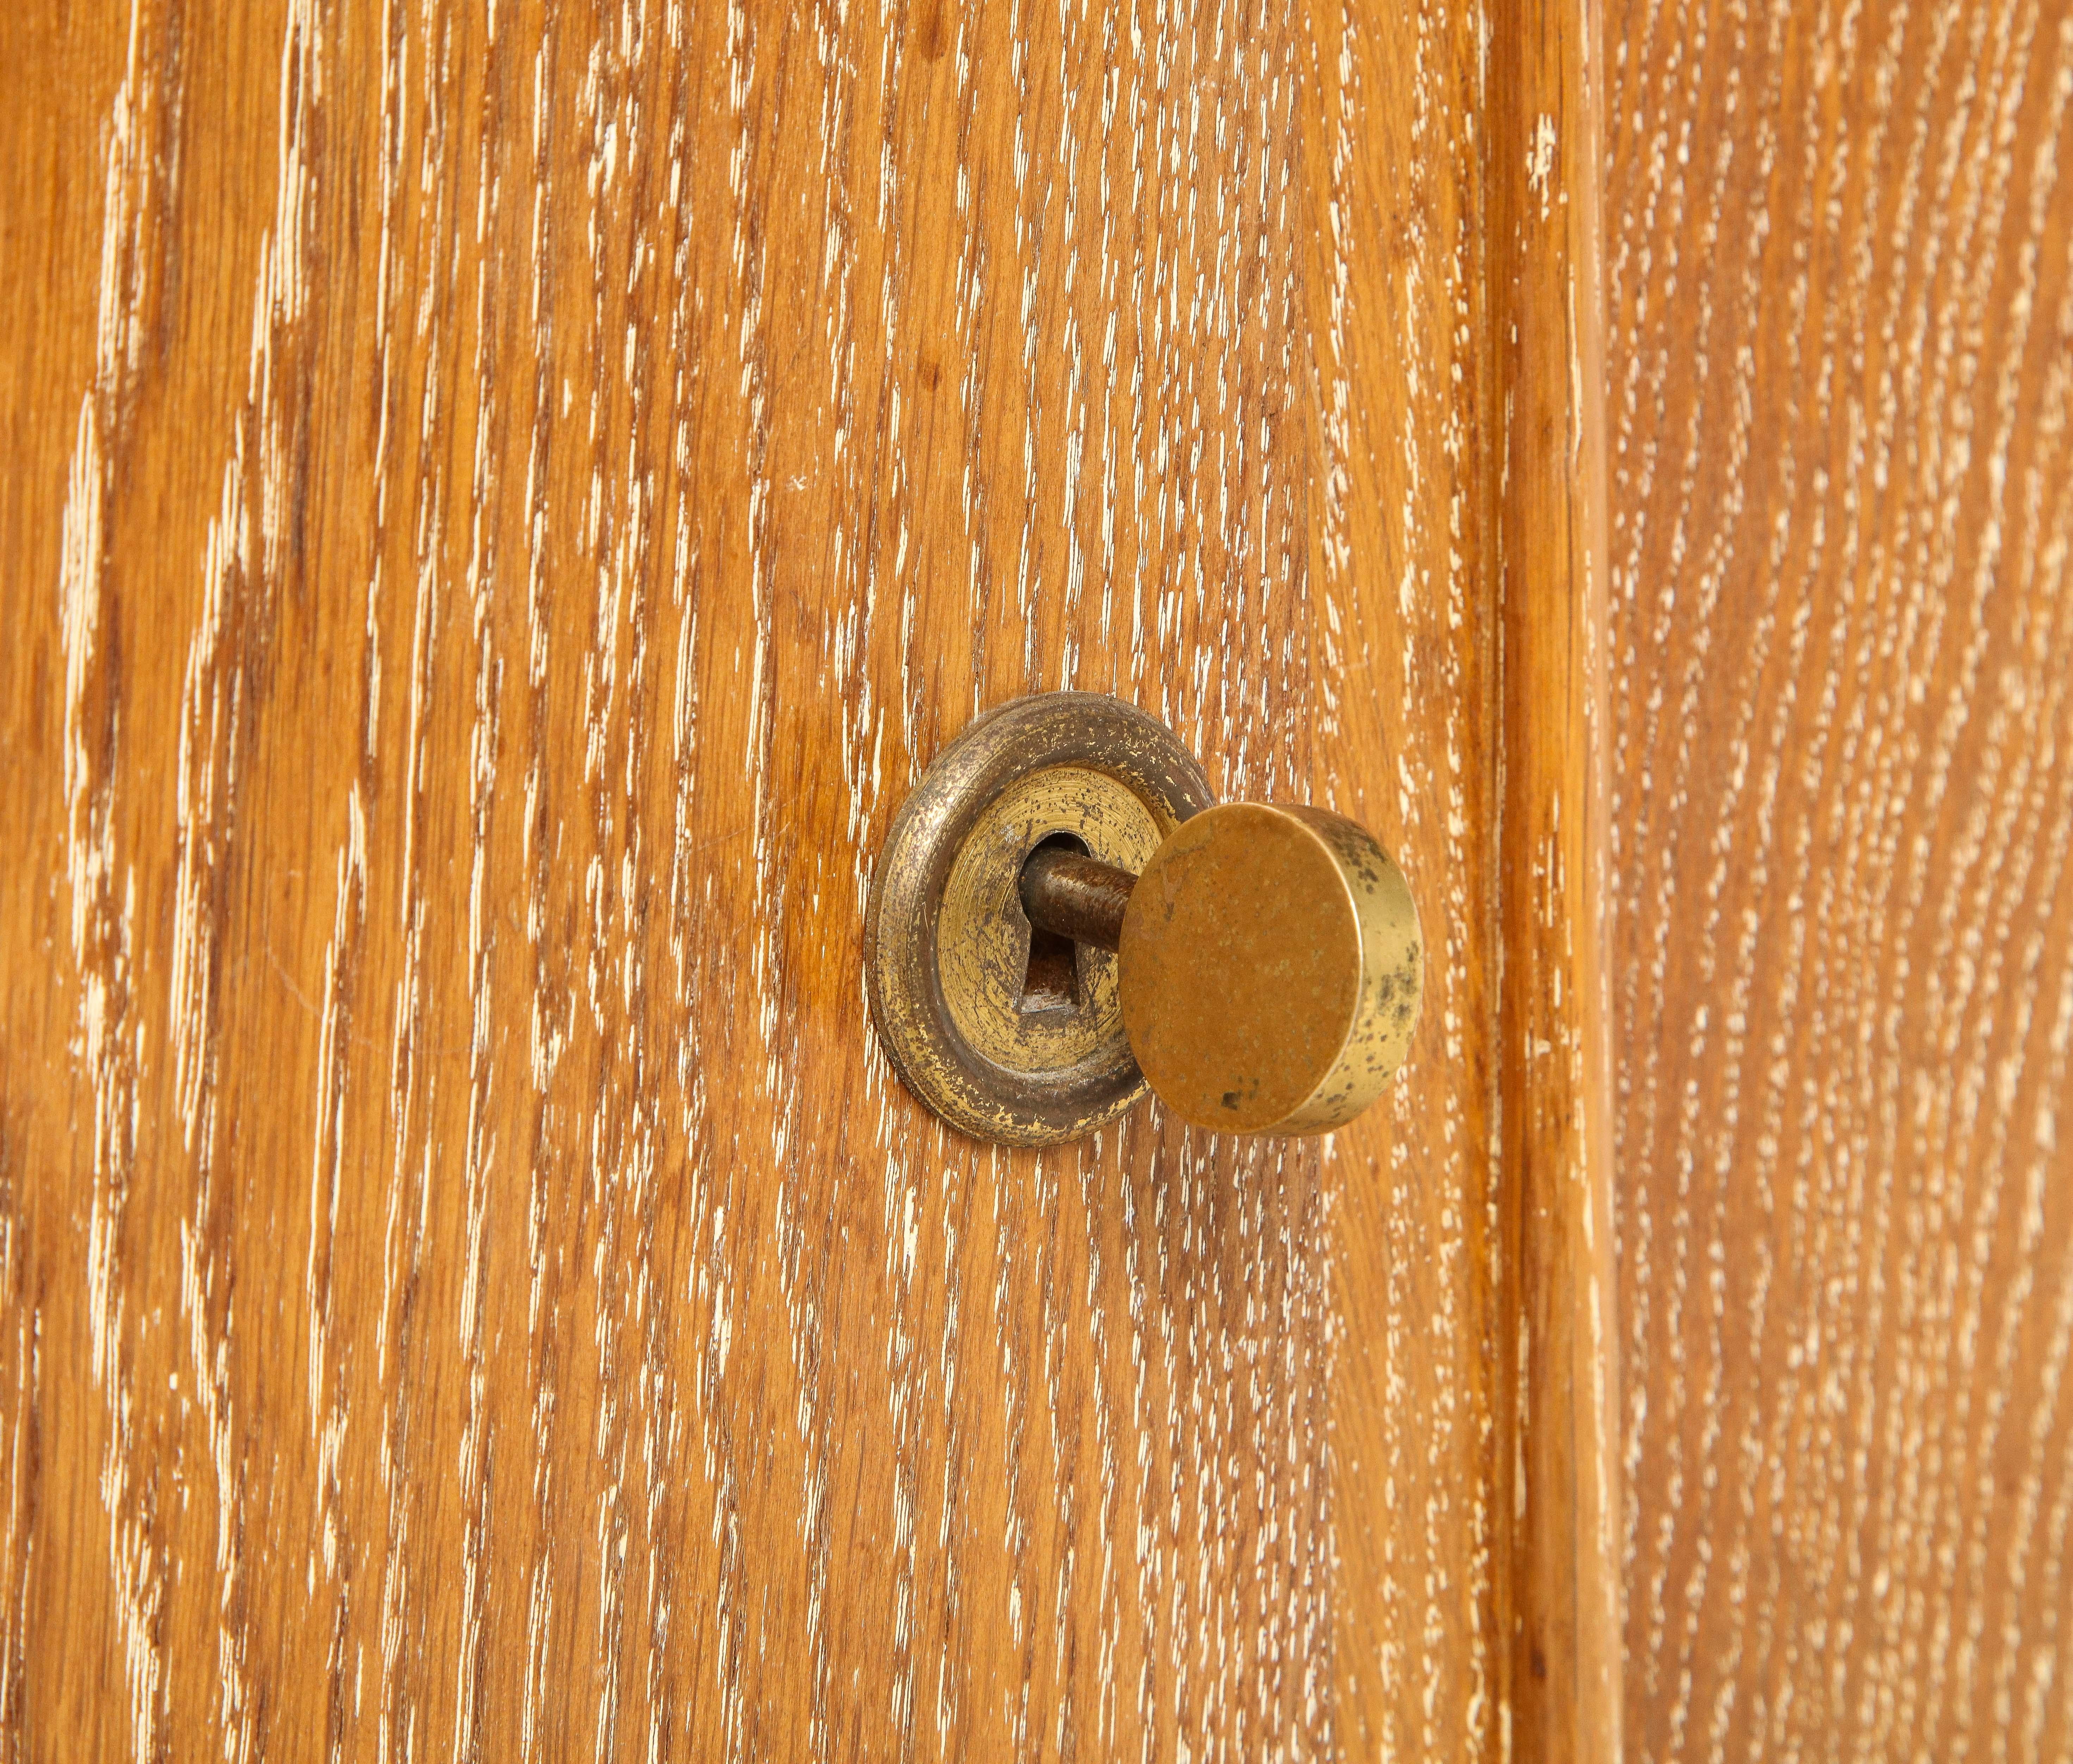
(504,500)
(1840,351)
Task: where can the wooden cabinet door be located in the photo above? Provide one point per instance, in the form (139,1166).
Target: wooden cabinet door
(1838,248)
(503,500)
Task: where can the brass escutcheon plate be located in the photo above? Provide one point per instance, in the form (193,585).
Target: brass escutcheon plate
(947,947)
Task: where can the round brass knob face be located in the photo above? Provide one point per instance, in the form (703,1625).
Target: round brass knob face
(1270,964)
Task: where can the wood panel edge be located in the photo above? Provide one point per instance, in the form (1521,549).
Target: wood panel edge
(1559,1470)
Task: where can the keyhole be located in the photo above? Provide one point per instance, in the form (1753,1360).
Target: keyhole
(1052,981)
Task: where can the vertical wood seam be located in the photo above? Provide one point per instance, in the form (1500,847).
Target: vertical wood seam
(1557,1473)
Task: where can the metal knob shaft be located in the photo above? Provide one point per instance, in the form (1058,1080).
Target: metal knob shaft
(1072,895)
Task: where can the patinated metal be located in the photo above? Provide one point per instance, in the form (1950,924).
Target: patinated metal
(1001,1053)
(1076,897)
(1060,916)
(1271,969)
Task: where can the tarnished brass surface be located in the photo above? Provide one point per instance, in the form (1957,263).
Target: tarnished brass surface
(1270,963)
(947,945)
(982,939)
(1271,969)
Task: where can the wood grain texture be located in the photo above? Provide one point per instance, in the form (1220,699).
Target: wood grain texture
(1456,333)
(1401,545)
(1841,357)
(1559,1476)
(506,500)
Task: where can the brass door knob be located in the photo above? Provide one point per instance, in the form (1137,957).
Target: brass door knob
(1269,962)
(1060,916)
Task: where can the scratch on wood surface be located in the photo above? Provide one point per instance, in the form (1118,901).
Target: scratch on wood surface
(107,1042)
